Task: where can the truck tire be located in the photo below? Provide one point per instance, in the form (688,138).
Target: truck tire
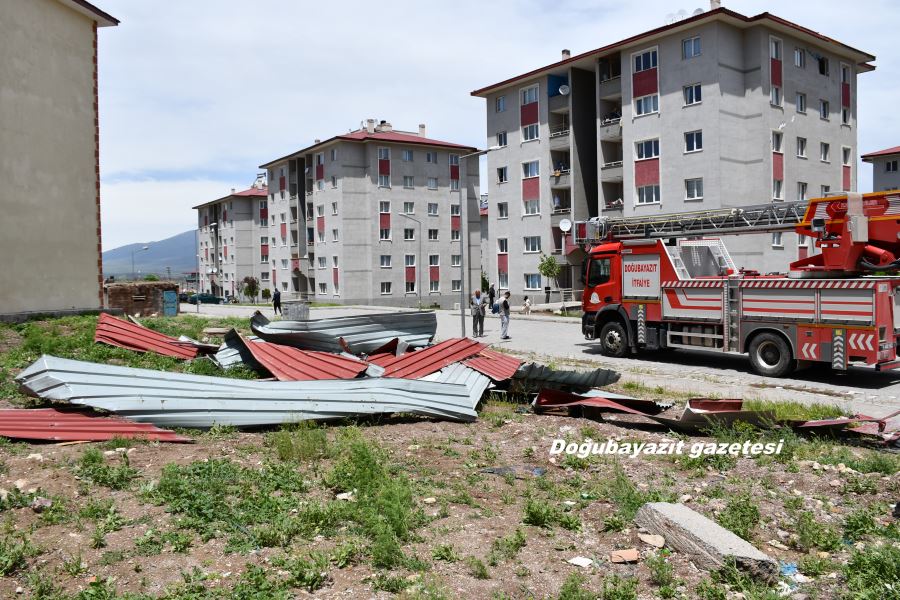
(770,355)
(613,340)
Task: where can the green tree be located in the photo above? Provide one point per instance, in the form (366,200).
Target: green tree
(151,277)
(485,284)
(266,294)
(249,286)
(549,268)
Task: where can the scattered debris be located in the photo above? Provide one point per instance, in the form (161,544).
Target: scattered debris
(123,334)
(496,365)
(625,556)
(657,541)
(580,561)
(534,376)
(418,364)
(555,399)
(700,413)
(40,504)
(56,424)
(518,472)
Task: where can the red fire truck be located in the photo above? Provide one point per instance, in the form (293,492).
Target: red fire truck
(664,282)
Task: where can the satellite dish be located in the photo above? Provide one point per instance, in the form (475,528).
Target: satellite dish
(565,226)
(564,90)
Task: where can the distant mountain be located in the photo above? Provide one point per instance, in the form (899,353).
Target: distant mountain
(178,253)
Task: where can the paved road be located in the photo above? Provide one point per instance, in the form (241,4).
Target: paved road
(559,339)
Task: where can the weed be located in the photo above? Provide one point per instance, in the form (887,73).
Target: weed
(445,552)
(149,544)
(662,572)
(98,538)
(743,583)
(863,486)
(507,547)
(623,493)
(813,565)
(873,573)
(299,442)
(741,515)
(614,587)
(111,557)
(541,514)
(813,534)
(309,573)
(43,587)
(858,524)
(74,565)
(92,467)
(477,568)
(573,588)
(614,522)
(393,584)
(858,459)
(708,589)
(345,555)
(795,411)
(14,550)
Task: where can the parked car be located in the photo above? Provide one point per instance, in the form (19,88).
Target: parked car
(183,297)
(206,299)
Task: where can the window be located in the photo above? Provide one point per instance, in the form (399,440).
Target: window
(532,281)
(845,156)
(454,235)
(530,132)
(385,261)
(434,286)
(503,281)
(531,169)
(799,58)
(776,240)
(333,181)
(334,154)
(264,258)
(384,207)
(434,260)
(890,166)
(824,152)
(777,189)
(775,97)
(845,73)
(693,189)
(845,115)
(409,208)
(648,194)
(384,234)
(801,190)
(384,153)
(410,287)
(645,60)
(384,181)
(320,160)
(501,138)
(408,181)
(692,94)
(824,109)
(454,185)
(533,243)
(385,288)
(409,234)
(646,105)
(334,208)
(823,66)
(322,236)
(502,175)
(264,240)
(263,222)
(647,149)
(801,103)
(824,190)
(690,47)
(432,183)
(455,260)
(775,48)
(502,246)
(529,95)
(320,185)
(777,138)
(409,260)
(455,210)
(693,141)
(455,285)
(500,104)
(407,155)
(323,288)
(502,210)
(598,272)
(432,235)
(431,157)
(801,147)
(334,261)
(432,209)
(532,207)
(334,235)
(310,235)
(309,210)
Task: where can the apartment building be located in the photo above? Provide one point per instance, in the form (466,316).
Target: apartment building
(50,157)
(375,216)
(716,110)
(233,239)
(885,174)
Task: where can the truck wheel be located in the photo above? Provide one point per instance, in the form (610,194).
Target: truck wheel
(613,340)
(770,355)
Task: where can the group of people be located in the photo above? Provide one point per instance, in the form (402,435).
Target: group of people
(479,304)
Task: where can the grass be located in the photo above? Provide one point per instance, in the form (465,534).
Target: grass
(741,515)
(15,549)
(625,495)
(786,410)
(93,467)
(873,573)
(299,442)
(542,514)
(507,547)
(812,534)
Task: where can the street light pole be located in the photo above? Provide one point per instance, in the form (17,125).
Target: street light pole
(418,259)
(133,252)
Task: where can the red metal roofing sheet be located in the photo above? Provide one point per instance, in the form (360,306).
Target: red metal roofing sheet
(548,398)
(426,361)
(53,424)
(496,365)
(125,334)
(885,152)
(292,364)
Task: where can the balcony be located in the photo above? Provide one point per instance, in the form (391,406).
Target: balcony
(611,89)
(610,129)
(611,172)
(558,103)
(559,178)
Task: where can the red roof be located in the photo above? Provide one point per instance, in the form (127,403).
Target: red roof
(885,152)
(59,425)
(496,365)
(125,334)
(103,19)
(292,364)
(251,192)
(426,361)
(362,135)
(862,56)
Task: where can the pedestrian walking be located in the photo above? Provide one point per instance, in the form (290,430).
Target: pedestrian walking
(491,295)
(526,306)
(504,317)
(276,302)
(478,306)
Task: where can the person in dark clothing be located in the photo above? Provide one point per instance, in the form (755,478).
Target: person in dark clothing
(491,295)
(504,317)
(477,306)
(276,302)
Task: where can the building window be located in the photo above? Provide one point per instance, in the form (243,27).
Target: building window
(407,155)
(824,107)
(845,116)
(800,58)
(384,207)
(409,260)
(409,234)
(801,103)
(432,235)
(334,261)
(693,141)
(454,159)
(333,181)
(777,139)
(503,281)
(777,189)
(502,246)
(532,281)
(775,97)
(410,287)
(502,175)
(408,181)
(431,157)
(801,147)
(775,48)
(454,185)
(320,160)
(384,234)
(320,185)
(384,181)
(690,47)
(334,235)
(645,60)
(409,208)
(530,132)
(532,207)
(322,236)
(501,138)
(432,183)
(801,190)
(264,258)
(432,209)
(385,288)
(533,243)
(693,189)
(500,104)
(455,285)
(531,169)
(434,286)
(890,166)
(502,210)
(455,260)
(692,94)
(384,153)
(454,235)
(334,208)
(529,95)
(824,152)
(845,156)
(646,105)
(824,66)
(648,194)
(385,261)
(776,240)
(323,288)
(334,154)
(647,149)
(845,73)
(455,210)
(434,260)
(824,190)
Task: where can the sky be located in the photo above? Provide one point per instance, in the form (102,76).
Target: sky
(194,95)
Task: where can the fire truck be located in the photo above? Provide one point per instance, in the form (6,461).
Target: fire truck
(667,281)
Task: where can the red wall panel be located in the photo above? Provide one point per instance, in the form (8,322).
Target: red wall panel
(206,253)
(778,165)
(455,223)
(434,273)
(334,275)
(845,95)
(384,166)
(531,188)
(274,277)
(410,274)
(225,252)
(529,114)
(776,72)
(320,223)
(846,178)
(454,171)
(295,264)
(802,252)
(646,172)
(264,213)
(644,83)
(384,221)
(503,263)
(320,171)
(284,230)
(264,249)
(281,183)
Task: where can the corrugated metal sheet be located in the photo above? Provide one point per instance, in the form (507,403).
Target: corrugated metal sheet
(292,364)
(123,334)
(533,377)
(420,363)
(360,334)
(183,400)
(476,382)
(496,365)
(556,399)
(60,425)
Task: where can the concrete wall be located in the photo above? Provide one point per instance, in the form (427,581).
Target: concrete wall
(883,179)
(50,231)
